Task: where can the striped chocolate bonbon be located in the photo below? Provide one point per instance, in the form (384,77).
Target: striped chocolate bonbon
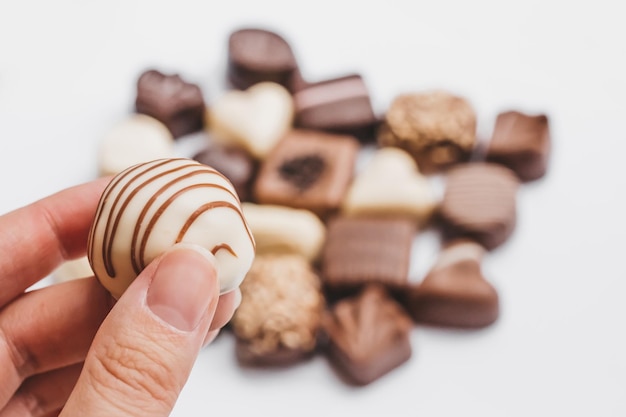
(151,206)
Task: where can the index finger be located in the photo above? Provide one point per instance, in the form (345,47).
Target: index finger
(35,239)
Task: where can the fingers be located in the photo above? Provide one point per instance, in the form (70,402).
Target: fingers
(43,394)
(48,329)
(226,307)
(144,351)
(40,236)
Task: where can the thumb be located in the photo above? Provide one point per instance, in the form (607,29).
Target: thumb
(144,351)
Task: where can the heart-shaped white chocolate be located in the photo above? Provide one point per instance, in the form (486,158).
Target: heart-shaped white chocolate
(255,119)
(390,184)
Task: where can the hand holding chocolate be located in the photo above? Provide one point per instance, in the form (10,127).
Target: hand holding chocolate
(151,206)
(335,231)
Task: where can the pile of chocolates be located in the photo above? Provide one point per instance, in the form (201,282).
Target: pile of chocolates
(331,273)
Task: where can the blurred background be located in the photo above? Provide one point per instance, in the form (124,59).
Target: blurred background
(68,70)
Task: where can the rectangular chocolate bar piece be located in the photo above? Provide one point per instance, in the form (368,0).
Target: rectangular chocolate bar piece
(340,105)
(361,250)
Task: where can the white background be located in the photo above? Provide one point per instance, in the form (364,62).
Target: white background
(67,73)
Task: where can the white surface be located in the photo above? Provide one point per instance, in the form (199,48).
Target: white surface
(67,73)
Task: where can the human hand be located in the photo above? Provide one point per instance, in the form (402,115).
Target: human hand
(70,346)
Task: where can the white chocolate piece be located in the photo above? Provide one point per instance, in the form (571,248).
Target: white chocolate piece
(74,269)
(255,119)
(137,139)
(149,207)
(280,229)
(390,184)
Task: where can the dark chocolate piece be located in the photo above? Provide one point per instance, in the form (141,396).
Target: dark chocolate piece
(522,143)
(480,202)
(341,105)
(235,163)
(361,250)
(308,169)
(455,293)
(437,128)
(179,105)
(368,335)
(280,316)
(303,171)
(256,55)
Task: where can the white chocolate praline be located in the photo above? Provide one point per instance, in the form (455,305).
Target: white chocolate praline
(138,139)
(149,207)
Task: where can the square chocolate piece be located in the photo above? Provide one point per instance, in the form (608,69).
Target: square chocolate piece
(522,143)
(309,170)
(361,250)
(368,335)
(340,105)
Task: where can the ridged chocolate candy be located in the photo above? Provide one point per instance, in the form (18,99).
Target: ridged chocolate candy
(151,206)
(480,202)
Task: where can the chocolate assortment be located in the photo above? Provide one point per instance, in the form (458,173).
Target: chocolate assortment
(334,237)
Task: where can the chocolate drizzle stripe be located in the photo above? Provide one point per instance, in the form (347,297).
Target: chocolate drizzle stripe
(105,197)
(224,246)
(103,200)
(144,239)
(109,237)
(210,206)
(133,248)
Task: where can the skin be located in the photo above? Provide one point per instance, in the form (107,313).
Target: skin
(71,349)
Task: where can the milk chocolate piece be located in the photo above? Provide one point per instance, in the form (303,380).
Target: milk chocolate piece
(280,316)
(308,169)
(455,293)
(437,128)
(179,105)
(235,163)
(256,55)
(480,202)
(340,105)
(361,250)
(522,143)
(368,335)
